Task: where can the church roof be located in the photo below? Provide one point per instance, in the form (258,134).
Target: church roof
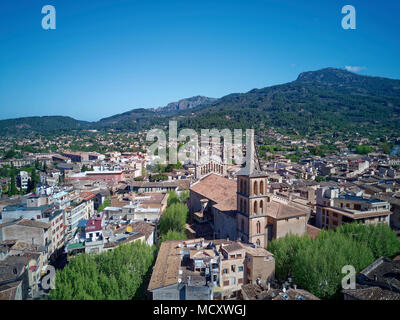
(279,210)
(218,189)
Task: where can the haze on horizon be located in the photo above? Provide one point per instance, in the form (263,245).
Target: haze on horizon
(109,57)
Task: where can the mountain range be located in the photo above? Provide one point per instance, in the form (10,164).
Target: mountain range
(327,99)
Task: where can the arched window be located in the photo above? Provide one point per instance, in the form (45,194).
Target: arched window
(261,187)
(258,227)
(241,187)
(241,205)
(242,227)
(255,207)
(261,206)
(258,243)
(255,188)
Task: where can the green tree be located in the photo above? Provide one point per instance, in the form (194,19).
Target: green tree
(119,274)
(12,189)
(381,239)
(316,264)
(363,149)
(173,235)
(172,198)
(174,218)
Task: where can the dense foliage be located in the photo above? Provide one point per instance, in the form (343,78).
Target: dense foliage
(120,274)
(316,264)
(174,218)
(173,221)
(173,235)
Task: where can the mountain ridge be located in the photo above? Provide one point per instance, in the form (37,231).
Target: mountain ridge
(310,102)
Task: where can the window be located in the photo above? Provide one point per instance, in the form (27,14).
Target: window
(233,268)
(225,271)
(261,206)
(240,281)
(255,188)
(261,187)
(232,256)
(226,283)
(255,207)
(242,226)
(239,255)
(233,281)
(240,268)
(258,227)
(258,242)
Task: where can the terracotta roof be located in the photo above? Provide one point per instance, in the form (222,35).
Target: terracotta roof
(256,252)
(165,271)
(220,190)
(29,223)
(143,227)
(232,247)
(279,210)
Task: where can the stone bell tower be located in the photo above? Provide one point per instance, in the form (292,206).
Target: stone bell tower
(252,197)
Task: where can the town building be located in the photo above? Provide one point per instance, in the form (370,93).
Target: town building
(333,209)
(208,270)
(22,180)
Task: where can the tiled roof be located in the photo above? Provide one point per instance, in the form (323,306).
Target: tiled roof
(372,293)
(279,210)
(165,271)
(218,189)
(28,223)
(232,247)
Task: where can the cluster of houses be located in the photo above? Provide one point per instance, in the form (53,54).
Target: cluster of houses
(235,211)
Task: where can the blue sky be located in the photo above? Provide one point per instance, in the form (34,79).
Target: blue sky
(110,56)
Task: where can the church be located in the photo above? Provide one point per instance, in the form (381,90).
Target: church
(243,209)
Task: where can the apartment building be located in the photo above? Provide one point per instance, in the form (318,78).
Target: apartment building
(199,269)
(79,209)
(333,209)
(22,180)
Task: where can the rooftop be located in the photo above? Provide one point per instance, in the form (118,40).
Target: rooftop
(220,190)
